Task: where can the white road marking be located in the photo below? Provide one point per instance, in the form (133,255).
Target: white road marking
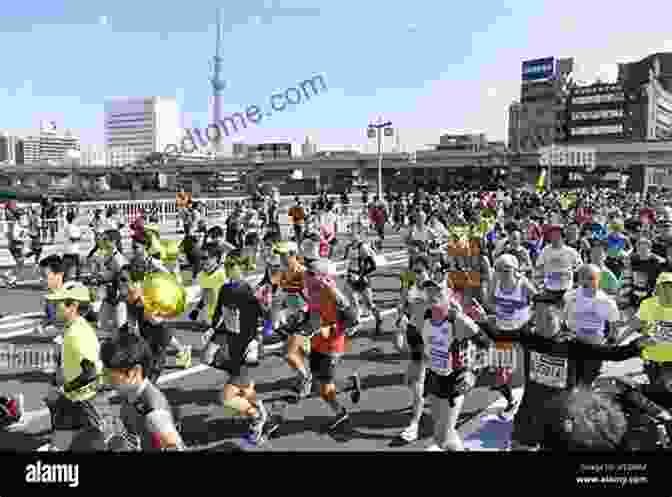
(12,322)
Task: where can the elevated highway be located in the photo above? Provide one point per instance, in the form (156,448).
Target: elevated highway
(438,165)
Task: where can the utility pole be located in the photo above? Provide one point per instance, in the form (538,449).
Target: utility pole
(376,130)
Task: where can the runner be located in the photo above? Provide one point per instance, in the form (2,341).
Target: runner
(411,318)
(449,337)
(147,417)
(511,299)
(361,264)
(557,264)
(18,237)
(640,273)
(334,316)
(75,396)
(233,327)
(553,362)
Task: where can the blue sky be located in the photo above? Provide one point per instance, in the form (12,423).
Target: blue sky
(429,66)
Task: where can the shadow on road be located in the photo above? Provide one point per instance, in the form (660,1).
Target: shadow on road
(20,442)
(27,377)
(203,397)
(375,354)
(203,433)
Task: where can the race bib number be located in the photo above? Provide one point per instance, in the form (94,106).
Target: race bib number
(232,320)
(663,331)
(556,280)
(548,370)
(590,325)
(441,361)
(503,355)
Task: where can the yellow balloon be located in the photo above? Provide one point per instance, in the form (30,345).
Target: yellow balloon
(163,295)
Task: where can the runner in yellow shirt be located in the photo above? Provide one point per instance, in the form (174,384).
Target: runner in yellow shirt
(76,394)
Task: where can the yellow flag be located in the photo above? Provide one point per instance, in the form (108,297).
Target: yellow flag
(541,182)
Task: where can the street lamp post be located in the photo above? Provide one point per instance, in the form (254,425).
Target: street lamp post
(376,131)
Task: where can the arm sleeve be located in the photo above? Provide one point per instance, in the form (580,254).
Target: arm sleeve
(618,353)
(160,421)
(217,313)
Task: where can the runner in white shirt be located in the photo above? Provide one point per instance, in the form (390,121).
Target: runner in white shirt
(511,298)
(450,338)
(588,309)
(557,263)
(71,250)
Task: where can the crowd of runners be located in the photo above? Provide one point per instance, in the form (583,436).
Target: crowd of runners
(552,284)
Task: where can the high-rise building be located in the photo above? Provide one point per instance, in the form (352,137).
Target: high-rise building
(48,147)
(648,91)
(539,118)
(141,126)
(514,126)
(9,146)
(308,149)
(596,112)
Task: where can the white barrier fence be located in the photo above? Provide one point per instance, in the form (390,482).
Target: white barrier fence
(166,208)
(168,221)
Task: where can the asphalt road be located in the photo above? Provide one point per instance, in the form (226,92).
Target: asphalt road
(375,421)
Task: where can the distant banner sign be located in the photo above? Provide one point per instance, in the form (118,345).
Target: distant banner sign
(538,69)
(557,156)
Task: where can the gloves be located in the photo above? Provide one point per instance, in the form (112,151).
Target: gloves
(193,315)
(207,336)
(87,376)
(402,322)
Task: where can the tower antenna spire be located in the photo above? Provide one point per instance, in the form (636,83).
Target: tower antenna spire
(217,81)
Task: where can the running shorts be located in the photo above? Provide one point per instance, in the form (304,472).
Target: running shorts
(323,366)
(446,387)
(16,249)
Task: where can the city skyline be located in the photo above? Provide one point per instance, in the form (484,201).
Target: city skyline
(426,79)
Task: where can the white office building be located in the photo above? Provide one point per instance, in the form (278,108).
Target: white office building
(9,146)
(139,126)
(48,147)
(93,155)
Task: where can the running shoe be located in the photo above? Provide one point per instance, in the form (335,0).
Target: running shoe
(252,353)
(16,410)
(410,434)
(339,419)
(305,387)
(434,448)
(509,412)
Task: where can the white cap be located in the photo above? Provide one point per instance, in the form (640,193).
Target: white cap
(507,260)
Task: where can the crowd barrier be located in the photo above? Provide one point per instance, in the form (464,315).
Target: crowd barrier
(167,210)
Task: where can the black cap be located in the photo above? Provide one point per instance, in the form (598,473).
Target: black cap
(548,298)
